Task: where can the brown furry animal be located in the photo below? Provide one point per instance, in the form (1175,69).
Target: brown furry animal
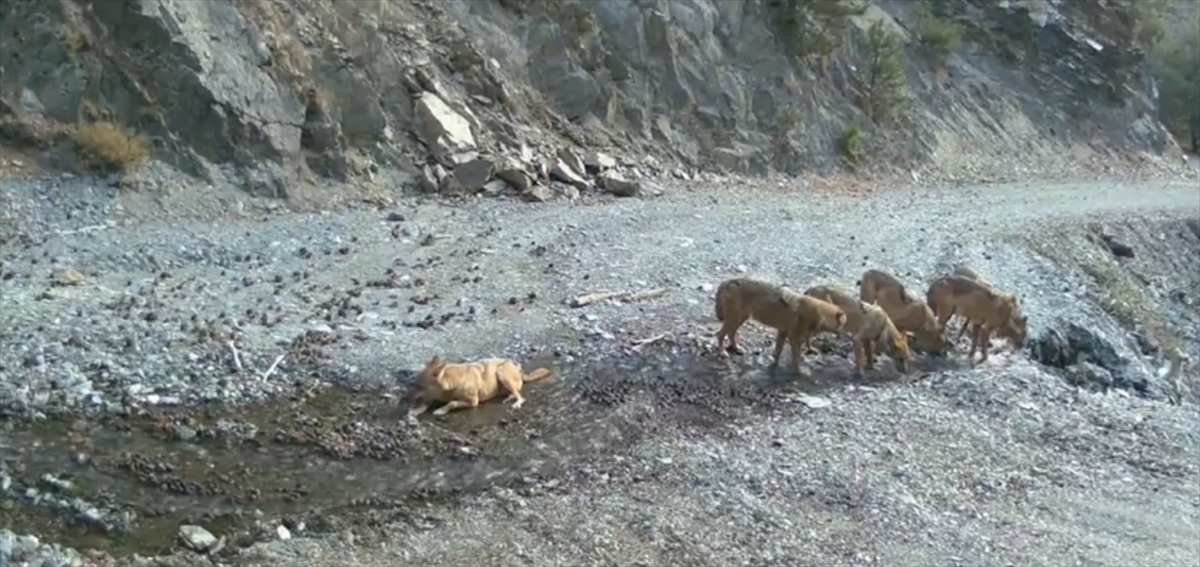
(467,384)
(869,326)
(966,272)
(1010,332)
(977,303)
(795,317)
(879,285)
(907,313)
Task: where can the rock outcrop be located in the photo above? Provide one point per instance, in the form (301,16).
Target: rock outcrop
(517,95)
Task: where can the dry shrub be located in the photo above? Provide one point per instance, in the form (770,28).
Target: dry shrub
(109,146)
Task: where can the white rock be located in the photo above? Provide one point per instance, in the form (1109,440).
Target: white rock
(197,538)
(445,131)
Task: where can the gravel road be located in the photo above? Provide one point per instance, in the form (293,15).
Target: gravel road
(996,465)
(163,297)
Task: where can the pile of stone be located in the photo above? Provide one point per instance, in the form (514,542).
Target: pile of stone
(460,166)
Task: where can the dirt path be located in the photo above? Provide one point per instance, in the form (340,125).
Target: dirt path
(661,457)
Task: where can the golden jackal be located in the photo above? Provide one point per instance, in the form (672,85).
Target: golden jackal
(794,316)
(869,326)
(907,312)
(977,303)
(467,384)
(1012,331)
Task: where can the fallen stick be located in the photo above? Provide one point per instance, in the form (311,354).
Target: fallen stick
(591,298)
(274,365)
(638,344)
(237,360)
(643,295)
(92,228)
(626,296)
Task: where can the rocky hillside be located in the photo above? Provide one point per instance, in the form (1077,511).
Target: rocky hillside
(486,95)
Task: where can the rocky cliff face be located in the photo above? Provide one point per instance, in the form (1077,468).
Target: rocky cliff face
(487,95)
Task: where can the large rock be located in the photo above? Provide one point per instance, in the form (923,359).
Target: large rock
(619,186)
(1079,351)
(443,130)
(197,538)
(1063,345)
(514,173)
(474,174)
(495,187)
(563,172)
(430,178)
(572,160)
(597,162)
(538,193)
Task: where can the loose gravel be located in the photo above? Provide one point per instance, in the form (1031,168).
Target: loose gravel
(110,303)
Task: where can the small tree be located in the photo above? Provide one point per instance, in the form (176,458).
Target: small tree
(812,29)
(938,34)
(850,145)
(1177,62)
(883,84)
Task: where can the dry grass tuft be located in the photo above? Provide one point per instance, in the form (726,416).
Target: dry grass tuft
(112,147)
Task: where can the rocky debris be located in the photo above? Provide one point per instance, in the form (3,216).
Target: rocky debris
(28,550)
(561,176)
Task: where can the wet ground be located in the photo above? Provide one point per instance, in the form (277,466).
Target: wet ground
(326,455)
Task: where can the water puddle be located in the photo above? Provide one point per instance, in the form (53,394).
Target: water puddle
(124,484)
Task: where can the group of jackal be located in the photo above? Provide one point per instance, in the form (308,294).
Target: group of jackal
(881,319)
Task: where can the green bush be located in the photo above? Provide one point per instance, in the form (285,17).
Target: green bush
(882,81)
(1176,62)
(1145,18)
(812,29)
(849,145)
(940,35)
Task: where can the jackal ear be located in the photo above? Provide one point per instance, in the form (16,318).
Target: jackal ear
(434,362)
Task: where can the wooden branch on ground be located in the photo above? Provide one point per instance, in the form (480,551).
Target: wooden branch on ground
(624,296)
